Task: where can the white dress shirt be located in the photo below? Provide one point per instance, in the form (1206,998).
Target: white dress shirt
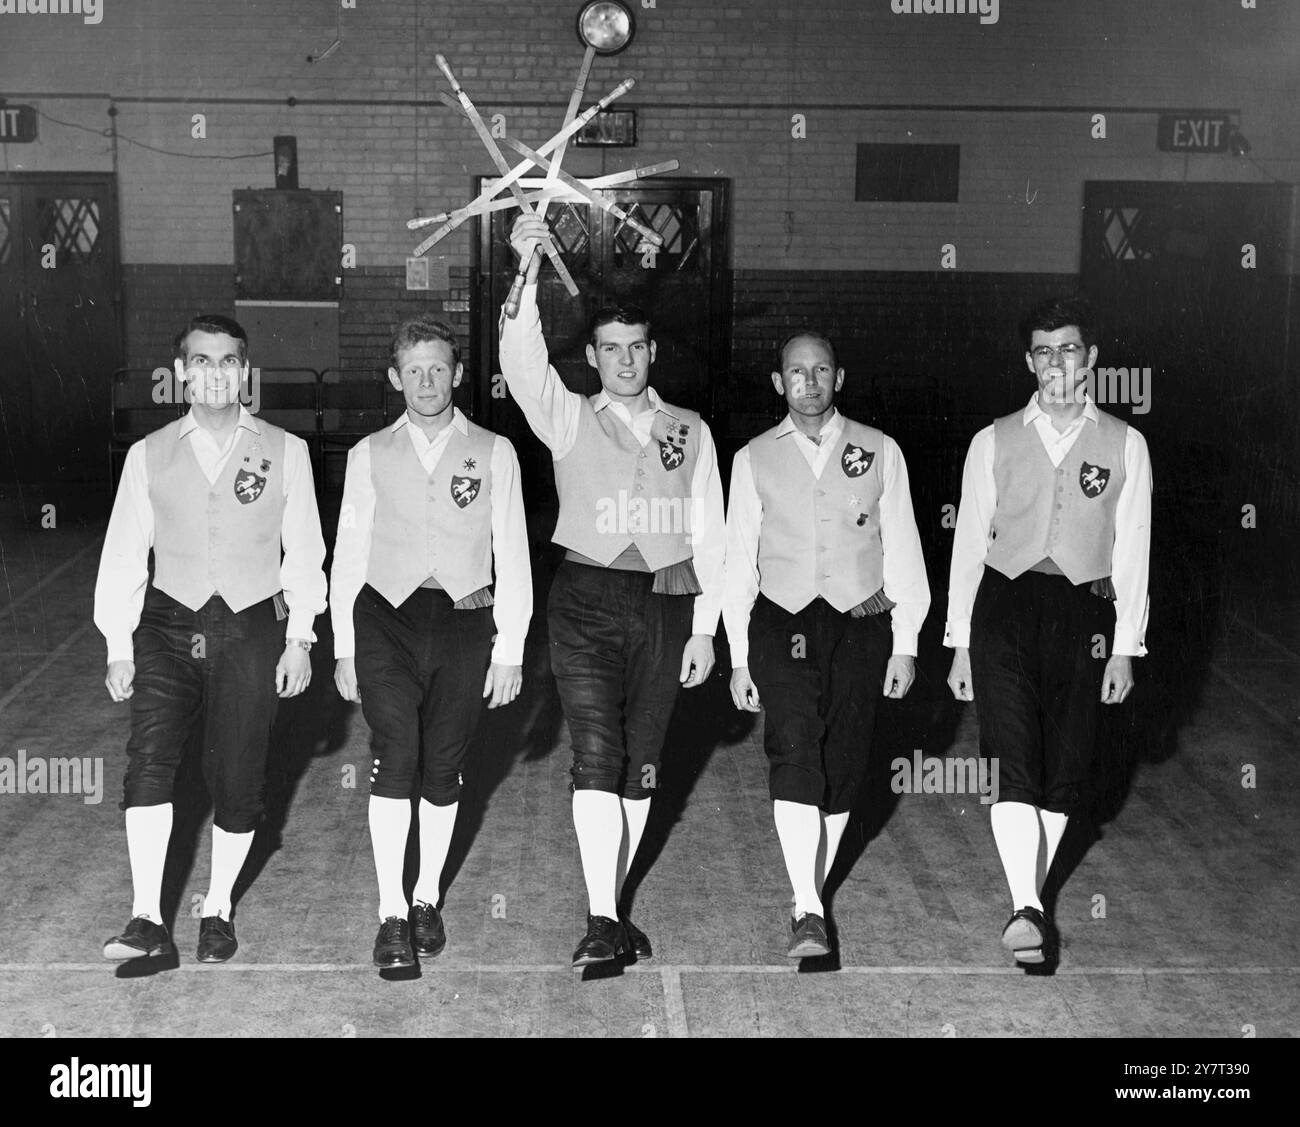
(553,412)
(124,564)
(513,597)
(904,565)
(1129,558)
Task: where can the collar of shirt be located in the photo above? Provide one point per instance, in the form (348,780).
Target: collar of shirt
(830,429)
(640,424)
(189,424)
(422,442)
(603,400)
(1034,411)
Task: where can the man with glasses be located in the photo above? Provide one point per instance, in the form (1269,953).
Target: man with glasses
(227,505)
(1047,599)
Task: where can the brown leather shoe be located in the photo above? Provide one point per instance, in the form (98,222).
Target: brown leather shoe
(217,940)
(603,942)
(140,937)
(393,944)
(428,935)
(635,939)
(809,938)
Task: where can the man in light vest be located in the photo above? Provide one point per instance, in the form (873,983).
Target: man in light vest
(825,595)
(432,511)
(1047,599)
(226,503)
(635,603)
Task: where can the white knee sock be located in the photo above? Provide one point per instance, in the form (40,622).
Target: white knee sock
(436,824)
(635,813)
(228,854)
(834,826)
(799,826)
(1017,833)
(598,822)
(390,823)
(1053,830)
(148,830)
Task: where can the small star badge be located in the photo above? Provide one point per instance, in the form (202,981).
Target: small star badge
(854,500)
(469,463)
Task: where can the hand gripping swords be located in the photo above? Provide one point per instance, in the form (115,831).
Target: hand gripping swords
(494,151)
(520,170)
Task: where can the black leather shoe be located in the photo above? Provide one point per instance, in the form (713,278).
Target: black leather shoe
(216,940)
(1027,933)
(635,939)
(393,944)
(604,941)
(140,937)
(428,936)
(809,938)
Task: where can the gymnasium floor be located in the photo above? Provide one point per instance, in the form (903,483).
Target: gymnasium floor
(1177,912)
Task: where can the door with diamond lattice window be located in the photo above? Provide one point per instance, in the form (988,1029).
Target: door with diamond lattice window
(1190,281)
(681,284)
(60,324)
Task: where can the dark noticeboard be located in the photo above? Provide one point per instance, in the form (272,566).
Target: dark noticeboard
(1198,131)
(908,173)
(288,244)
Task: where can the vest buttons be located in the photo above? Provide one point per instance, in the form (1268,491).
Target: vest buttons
(639,487)
(642,454)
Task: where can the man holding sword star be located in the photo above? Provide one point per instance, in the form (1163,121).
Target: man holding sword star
(635,603)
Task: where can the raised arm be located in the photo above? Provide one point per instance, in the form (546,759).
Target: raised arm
(552,410)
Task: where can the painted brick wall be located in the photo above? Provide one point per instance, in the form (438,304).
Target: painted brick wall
(717,88)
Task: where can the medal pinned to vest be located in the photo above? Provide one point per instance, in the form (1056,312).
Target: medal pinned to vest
(671,436)
(855,461)
(249,485)
(1093,479)
(465,489)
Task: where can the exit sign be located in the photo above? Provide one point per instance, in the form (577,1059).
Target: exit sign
(17,124)
(1200,132)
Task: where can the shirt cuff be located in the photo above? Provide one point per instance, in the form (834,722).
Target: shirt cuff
(740,654)
(956,635)
(905,643)
(508,650)
(300,625)
(345,646)
(1127,644)
(704,620)
(121,648)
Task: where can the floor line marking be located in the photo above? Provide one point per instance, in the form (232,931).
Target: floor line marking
(68,643)
(14,604)
(672,971)
(674,1004)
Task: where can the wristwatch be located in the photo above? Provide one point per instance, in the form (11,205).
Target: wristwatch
(298,642)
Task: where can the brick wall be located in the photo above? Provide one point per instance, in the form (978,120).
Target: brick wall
(157,301)
(717,88)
